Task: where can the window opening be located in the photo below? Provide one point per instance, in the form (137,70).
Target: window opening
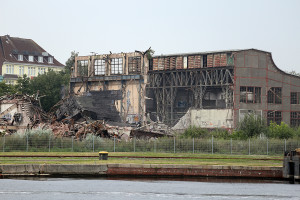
(134,65)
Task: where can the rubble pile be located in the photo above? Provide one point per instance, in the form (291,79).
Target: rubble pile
(69,119)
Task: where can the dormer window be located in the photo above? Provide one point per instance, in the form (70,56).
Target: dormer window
(20,57)
(40,59)
(30,58)
(50,60)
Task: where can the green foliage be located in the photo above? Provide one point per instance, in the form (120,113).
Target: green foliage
(195,132)
(49,86)
(282,131)
(6,89)
(70,62)
(251,126)
(220,133)
(149,53)
(23,85)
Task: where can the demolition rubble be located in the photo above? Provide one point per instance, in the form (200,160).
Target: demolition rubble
(71,117)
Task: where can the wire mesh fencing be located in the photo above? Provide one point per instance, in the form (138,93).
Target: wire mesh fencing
(48,143)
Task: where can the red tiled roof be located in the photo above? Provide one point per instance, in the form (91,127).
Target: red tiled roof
(11,47)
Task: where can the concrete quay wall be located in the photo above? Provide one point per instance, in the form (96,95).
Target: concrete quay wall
(142,170)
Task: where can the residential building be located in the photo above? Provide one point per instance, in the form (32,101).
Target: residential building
(19,56)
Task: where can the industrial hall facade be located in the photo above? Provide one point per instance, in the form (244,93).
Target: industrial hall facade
(205,89)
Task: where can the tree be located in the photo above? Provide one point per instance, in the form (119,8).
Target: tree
(23,85)
(6,89)
(252,126)
(70,62)
(49,86)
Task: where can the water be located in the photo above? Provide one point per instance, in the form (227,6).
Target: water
(108,189)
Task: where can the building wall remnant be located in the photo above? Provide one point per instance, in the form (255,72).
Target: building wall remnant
(123,72)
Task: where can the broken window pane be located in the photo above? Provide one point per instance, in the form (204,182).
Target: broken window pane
(134,65)
(250,94)
(275,95)
(82,67)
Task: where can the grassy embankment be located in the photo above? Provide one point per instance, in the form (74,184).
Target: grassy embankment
(206,159)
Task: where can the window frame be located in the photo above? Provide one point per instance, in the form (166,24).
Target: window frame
(50,59)
(134,64)
(82,67)
(30,58)
(21,70)
(295,119)
(255,91)
(116,66)
(295,98)
(274,116)
(273,97)
(20,57)
(99,67)
(40,59)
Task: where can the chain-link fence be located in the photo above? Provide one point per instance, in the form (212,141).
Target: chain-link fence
(47,143)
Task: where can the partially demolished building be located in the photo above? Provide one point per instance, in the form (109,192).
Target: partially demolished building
(208,89)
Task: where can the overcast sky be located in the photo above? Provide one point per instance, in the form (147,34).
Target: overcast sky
(168,26)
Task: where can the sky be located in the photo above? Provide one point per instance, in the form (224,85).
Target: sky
(167,26)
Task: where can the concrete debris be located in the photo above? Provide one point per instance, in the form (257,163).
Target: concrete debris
(74,116)
(20,112)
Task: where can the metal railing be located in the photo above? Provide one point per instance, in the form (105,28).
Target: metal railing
(92,143)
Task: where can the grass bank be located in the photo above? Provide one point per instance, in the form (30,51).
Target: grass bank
(189,159)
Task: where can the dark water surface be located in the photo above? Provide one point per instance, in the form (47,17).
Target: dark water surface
(113,189)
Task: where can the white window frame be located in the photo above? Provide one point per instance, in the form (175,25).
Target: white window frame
(20,57)
(40,59)
(31,71)
(21,70)
(50,59)
(30,58)
(41,70)
(9,69)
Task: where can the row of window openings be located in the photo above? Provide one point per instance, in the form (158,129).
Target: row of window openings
(134,66)
(276,116)
(31,70)
(253,95)
(31,59)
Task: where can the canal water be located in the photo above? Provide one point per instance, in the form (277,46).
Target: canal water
(114,189)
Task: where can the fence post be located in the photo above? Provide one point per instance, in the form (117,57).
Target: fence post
(155,146)
(49,142)
(267,146)
(230,145)
(4,143)
(26,142)
(114,144)
(249,146)
(212,144)
(193,145)
(174,145)
(93,143)
(284,145)
(72,143)
(134,144)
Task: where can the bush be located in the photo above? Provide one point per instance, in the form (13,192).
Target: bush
(220,133)
(282,131)
(195,132)
(252,126)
